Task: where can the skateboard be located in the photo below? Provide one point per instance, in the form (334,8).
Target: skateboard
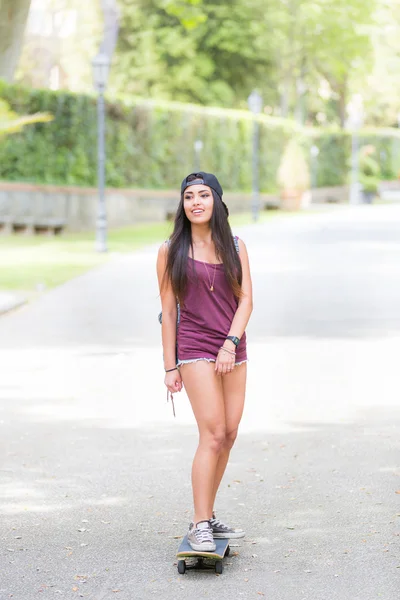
(185,552)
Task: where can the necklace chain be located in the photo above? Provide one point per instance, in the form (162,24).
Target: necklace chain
(211,285)
(209,279)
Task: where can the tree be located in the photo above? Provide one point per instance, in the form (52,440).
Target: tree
(60,43)
(211,52)
(306,57)
(315,41)
(344,49)
(13,17)
(381,87)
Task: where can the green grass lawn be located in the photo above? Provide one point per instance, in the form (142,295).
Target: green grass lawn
(34,263)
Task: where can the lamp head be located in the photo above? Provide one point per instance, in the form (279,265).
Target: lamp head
(255,102)
(101,67)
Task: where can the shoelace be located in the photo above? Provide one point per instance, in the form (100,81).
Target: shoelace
(218,523)
(204,535)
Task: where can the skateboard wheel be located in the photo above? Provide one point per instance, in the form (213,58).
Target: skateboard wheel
(228,551)
(219,567)
(181,567)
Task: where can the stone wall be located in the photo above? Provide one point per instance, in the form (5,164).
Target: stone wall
(39,207)
(337,194)
(32,207)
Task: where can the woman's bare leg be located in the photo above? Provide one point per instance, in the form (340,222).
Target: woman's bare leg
(234,389)
(205,392)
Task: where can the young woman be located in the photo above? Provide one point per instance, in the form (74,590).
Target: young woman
(206,270)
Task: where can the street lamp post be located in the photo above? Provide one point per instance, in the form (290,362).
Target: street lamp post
(101,66)
(397,144)
(354,122)
(314,151)
(198,147)
(255,105)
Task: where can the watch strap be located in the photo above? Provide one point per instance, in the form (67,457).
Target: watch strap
(234,339)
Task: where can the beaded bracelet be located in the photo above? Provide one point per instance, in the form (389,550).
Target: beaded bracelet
(228,351)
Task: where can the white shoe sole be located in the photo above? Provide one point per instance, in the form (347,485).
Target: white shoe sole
(207,547)
(229,536)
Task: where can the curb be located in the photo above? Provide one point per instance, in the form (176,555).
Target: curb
(10,301)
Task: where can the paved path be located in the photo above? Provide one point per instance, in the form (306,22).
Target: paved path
(95,472)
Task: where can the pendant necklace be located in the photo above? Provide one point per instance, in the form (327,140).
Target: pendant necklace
(209,280)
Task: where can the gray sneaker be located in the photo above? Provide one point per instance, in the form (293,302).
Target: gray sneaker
(200,538)
(221,530)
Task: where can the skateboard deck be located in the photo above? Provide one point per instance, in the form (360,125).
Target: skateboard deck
(185,551)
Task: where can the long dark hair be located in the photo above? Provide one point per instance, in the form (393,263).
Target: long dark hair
(181,241)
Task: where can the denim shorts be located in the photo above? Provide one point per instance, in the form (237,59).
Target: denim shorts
(193,360)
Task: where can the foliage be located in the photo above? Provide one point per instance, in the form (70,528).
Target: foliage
(206,52)
(307,57)
(211,52)
(335,150)
(148,144)
(151,144)
(337,45)
(381,88)
(369,169)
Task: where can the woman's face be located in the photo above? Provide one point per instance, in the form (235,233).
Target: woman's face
(198,203)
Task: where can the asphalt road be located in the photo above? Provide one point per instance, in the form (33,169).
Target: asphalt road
(95,470)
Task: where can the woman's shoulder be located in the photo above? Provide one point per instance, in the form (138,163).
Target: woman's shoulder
(165,245)
(239,243)
(163,249)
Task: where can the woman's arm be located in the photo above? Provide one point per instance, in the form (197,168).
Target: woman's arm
(169,311)
(245,306)
(243,312)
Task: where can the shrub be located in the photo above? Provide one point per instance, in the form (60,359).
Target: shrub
(151,144)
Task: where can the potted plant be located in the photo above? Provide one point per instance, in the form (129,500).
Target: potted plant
(293,176)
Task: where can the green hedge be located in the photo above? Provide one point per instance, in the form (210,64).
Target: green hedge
(151,144)
(334,160)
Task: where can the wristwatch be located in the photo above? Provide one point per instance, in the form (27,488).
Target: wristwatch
(233,339)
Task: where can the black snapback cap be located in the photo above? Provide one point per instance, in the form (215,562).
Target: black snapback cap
(204,178)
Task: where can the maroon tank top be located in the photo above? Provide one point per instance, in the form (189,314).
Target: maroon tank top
(206,316)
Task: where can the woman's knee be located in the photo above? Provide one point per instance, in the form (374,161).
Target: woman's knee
(214,439)
(230,437)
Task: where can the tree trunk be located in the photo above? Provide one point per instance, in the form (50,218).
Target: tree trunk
(342,100)
(111,25)
(301,89)
(13,17)
(285,91)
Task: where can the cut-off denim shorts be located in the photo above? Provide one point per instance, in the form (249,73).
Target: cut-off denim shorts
(194,360)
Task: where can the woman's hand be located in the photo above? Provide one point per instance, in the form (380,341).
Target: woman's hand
(173,381)
(225,362)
